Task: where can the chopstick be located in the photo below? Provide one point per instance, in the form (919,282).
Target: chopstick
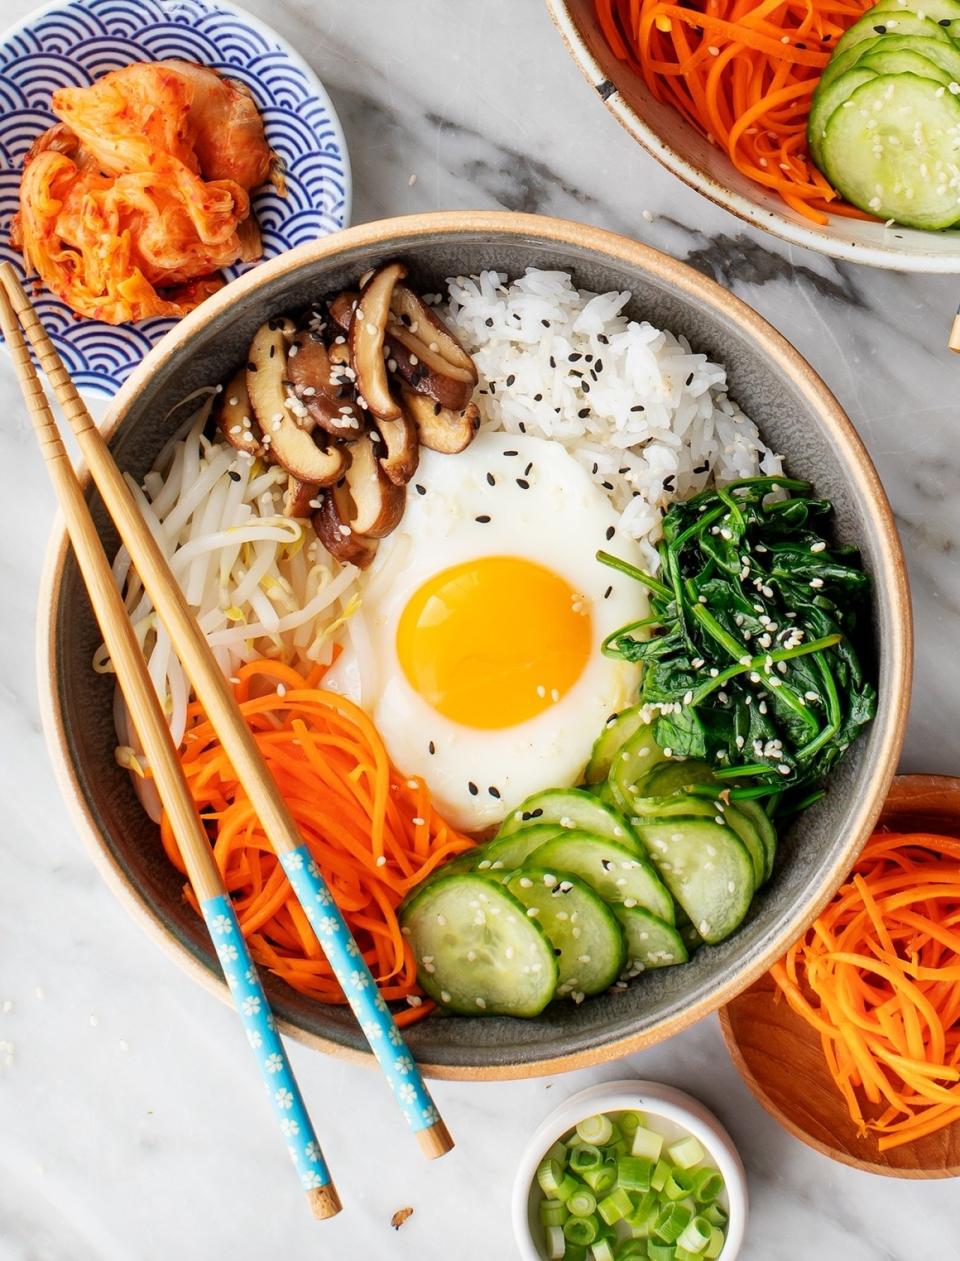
(953,341)
(141,698)
(214,693)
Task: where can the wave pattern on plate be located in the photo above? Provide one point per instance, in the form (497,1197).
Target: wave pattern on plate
(72,44)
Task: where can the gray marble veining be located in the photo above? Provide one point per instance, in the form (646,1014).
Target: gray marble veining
(131,1126)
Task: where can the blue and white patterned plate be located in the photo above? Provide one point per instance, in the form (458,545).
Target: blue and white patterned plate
(74,43)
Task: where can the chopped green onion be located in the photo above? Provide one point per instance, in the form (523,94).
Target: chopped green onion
(585,1156)
(602,1251)
(615,1207)
(660,1175)
(556,1244)
(644,1217)
(634,1172)
(549,1175)
(557,1152)
(582,1203)
(566,1187)
(707,1185)
(715,1246)
(716,1215)
(684,1254)
(671,1223)
(647,1143)
(631,1250)
(661,1252)
(628,1122)
(679,1185)
(581,1230)
(552,1213)
(597,1129)
(601,1180)
(686,1152)
(696,1235)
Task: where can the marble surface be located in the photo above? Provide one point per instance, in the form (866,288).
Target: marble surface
(131,1123)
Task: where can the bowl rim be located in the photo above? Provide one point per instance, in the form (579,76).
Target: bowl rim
(777,224)
(624,1095)
(395,234)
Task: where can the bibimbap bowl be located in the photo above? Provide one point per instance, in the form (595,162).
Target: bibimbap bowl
(798,417)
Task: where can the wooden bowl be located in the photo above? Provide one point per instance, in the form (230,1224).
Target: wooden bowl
(677,144)
(779,1055)
(799,417)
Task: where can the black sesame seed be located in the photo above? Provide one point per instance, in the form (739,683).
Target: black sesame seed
(585,386)
(538,398)
(432,748)
(941,22)
(421,490)
(621,471)
(437,409)
(557,951)
(545,323)
(473,789)
(638,408)
(603,339)
(606,864)
(522,427)
(251,366)
(574,357)
(607,593)
(689,380)
(493,387)
(526,471)
(523,483)
(668,482)
(588,358)
(511,453)
(607,485)
(510,380)
(489,321)
(553,362)
(882,30)
(234,475)
(611,531)
(491,480)
(703,468)
(583,413)
(595,469)
(273,351)
(494,792)
(599,365)
(484,520)
(524,817)
(405,319)
(535,814)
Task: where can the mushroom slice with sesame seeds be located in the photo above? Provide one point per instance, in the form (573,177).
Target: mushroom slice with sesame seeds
(377,502)
(334,532)
(327,398)
(367,330)
(440,428)
(291,444)
(300,498)
(235,419)
(401,440)
(442,367)
(342,307)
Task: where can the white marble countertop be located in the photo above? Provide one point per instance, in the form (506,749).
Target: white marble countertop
(131,1121)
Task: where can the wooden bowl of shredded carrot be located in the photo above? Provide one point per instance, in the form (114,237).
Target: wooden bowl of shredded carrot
(852,1041)
(719,91)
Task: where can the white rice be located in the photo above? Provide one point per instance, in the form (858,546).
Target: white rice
(648,417)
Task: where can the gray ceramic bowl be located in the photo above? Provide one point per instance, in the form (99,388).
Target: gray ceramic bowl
(799,417)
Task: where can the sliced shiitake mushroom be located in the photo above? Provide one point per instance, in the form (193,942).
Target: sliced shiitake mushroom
(441,428)
(290,443)
(407,307)
(400,451)
(300,498)
(235,418)
(335,533)
(342,307)
(367,330)
(425,353)
(316,383)
(377,503)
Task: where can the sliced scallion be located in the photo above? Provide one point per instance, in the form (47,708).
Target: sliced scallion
(585,1156)
(647,1143)
(596,1129)
(615,1206)
(634,1172)
(552,1213)
(707,1185)
(644,1217)
(550,1174)
(661,1251)
(580,1230)
(602,1250)
(582,1203)
(672,1222)
(686,1152)
(565,1188)
(716,1216)
(715,1245)
(661,1173)
(678,1185)
(603,1179)
(556,1244)
(696,1235)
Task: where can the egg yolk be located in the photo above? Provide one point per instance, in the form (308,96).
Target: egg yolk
(494,641)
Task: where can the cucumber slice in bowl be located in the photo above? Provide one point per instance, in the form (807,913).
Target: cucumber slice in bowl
(828,98)
(651,943)
(765,830)
(707,869)
(568,808)
(478,952)
(893,148)
(631,766)
(611,739)
(901,23)
(616,873)
(904,61)
(505,853)
(586,937)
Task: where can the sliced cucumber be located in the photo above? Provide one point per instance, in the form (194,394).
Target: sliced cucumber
(903,61)
(509,852)
(946,14)
(746,830)
(618,874)
(651,943)
(707,869)
(873,25)
(893,147)
(568,808)
(632,764)
(611,739)
(765,830)
(587,939)
(943,53)
(478,952)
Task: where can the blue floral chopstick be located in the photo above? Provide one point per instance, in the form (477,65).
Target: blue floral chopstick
(376,1020)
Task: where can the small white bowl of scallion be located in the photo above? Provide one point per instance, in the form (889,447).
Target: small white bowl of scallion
(630,1171)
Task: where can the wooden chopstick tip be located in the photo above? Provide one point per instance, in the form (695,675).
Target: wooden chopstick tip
(435,1141)
(953,342)
(324,1202)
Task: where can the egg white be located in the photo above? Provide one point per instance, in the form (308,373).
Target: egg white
(559,521)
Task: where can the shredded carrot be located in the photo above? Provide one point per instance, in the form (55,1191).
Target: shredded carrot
(373,832)
(743,73)
(878,977)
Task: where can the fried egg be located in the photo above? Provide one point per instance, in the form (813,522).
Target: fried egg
(477,649)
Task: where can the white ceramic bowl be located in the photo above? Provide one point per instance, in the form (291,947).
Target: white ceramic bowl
(674,142)
(655,1101)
